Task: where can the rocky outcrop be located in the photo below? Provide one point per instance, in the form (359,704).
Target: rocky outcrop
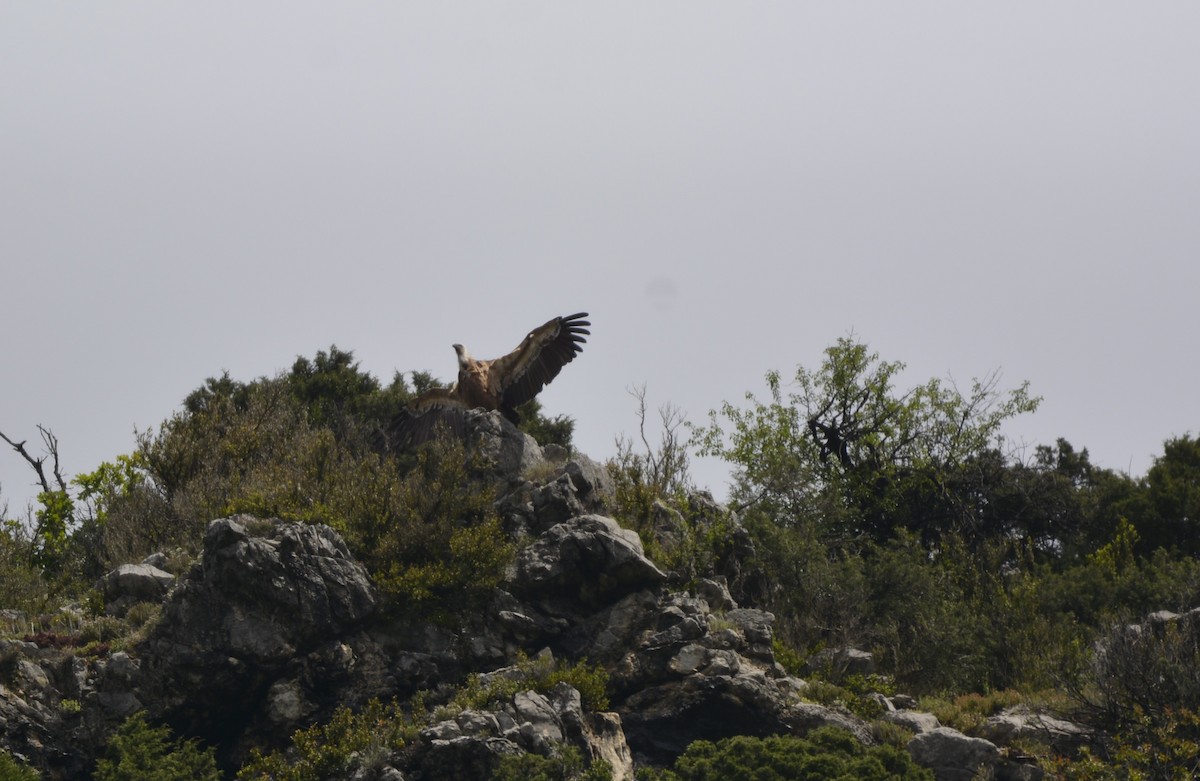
(500,453)
(470,744)
(129,584)
(1023,723)
(952,755)
(585,561)
(266,605)
(277,626)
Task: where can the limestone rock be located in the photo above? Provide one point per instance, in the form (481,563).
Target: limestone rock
(842,661)
(589,559)
(1020,722)
(264,595)
(916,721)
(470,744)
(504,453)
(555,502)
(132,583)
(952,755)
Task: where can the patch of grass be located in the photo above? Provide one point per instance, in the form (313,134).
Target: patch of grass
(967,712)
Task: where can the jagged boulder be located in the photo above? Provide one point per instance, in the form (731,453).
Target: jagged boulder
(129,584)
(681,672)
(841,661)
(917,721)
(265,594)
(951,755)
(1021,722)
(587,561)
(261,597)
(593,484)
(555,502)
(502,453)
(470,744)
(662,721)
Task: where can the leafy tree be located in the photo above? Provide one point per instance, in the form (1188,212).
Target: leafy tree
(849,453)
(1173,495)
(557,430)
(55,514)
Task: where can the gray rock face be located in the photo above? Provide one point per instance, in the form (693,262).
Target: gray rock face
(952,755)
(262,598)
(842,661)
(470,744)
(32,724)
(589,560)
(681,673)
(129,584)
(916,721)
(265,593)
(555,502)
(1020,722)
(592,482)
(505,452)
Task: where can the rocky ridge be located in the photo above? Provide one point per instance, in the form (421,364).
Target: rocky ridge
(277,626)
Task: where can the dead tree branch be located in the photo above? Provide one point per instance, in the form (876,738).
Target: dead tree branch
(51,444)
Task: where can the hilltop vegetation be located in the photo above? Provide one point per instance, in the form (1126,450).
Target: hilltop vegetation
(899,522)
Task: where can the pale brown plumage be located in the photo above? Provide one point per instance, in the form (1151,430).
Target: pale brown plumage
(503,383)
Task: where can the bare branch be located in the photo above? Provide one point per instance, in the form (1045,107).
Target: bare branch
(36,463)
(51,443)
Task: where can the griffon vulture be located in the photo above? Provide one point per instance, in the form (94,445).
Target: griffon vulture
(503,383)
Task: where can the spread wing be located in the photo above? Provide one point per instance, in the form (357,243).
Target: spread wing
(521,375)
(422,418)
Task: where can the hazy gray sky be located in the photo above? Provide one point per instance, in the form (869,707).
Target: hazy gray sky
(187,188)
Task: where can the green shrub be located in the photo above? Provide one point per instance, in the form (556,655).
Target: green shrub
(335,749)
(436,547)
(1143,677)
(102,629)
(566,765)
(140,752)
(1167,749)
(538,674)
(825,754)
(13,770)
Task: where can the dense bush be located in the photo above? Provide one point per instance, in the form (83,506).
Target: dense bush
(308,444)
(432,539)
(566,765)
(141,752)
(1143,675)
(12,770)
(825,754)
(335,749)
(304,446)
(901,523)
